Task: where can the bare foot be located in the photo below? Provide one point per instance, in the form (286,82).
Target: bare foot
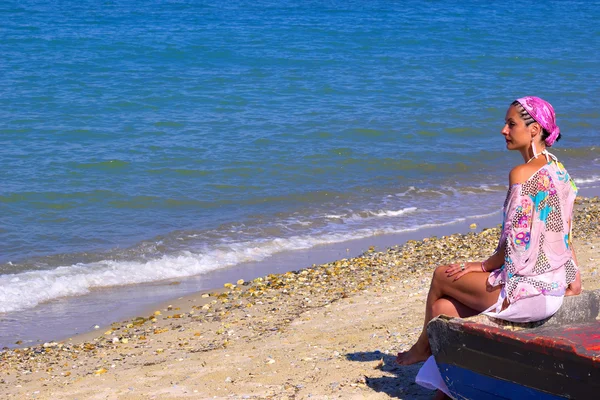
(414,355)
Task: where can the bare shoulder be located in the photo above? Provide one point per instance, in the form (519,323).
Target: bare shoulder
(521,173)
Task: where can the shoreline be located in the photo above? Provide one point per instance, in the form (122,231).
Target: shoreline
(330,330)
(66,317)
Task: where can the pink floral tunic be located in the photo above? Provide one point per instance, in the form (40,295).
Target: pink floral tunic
(538,263)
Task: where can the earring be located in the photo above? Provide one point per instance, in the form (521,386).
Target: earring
(535,154)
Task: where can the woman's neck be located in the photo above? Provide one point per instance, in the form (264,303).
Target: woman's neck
(529,154)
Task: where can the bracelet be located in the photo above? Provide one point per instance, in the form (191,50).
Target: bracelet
(483,267)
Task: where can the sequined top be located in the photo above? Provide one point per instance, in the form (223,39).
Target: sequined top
(536,233)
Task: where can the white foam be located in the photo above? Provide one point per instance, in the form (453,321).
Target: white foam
(363,215)
(410,189)
(28,289)
(366,215)
(593,179)
(493,188)
(394,213)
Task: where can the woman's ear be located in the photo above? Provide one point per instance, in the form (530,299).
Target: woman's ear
(535,129)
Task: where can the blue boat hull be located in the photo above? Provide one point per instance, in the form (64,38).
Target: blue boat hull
(466,384)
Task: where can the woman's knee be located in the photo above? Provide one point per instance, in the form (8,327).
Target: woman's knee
(440,274)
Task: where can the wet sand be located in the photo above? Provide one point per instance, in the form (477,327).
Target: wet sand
(329,331)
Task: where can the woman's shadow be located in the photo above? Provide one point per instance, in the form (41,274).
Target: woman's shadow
(399,381)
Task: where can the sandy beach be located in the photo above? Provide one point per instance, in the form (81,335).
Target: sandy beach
(328,331)
(247,200)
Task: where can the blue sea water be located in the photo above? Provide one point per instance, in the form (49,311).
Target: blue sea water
(150,140)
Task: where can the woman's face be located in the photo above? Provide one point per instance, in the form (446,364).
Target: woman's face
(516,133)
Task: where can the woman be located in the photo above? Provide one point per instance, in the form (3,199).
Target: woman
(534,265)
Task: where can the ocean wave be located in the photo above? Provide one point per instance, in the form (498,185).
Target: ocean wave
(393,213)
(593,179)
(28,289)
(409,190)
(364,215)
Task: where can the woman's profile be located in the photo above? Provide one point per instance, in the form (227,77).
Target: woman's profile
(534,265)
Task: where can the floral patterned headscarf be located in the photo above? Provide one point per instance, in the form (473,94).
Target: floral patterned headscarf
(543,113)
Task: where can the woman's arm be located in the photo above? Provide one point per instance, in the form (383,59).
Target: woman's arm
(574,287)
(496,260)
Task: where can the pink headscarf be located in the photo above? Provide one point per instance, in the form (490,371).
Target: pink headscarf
(543,113)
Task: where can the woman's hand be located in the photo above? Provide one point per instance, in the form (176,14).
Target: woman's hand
(459,269)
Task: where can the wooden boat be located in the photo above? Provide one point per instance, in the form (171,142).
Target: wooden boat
(480,358)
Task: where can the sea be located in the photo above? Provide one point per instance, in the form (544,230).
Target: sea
(154,148)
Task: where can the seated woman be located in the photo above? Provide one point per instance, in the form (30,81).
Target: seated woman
(534,265)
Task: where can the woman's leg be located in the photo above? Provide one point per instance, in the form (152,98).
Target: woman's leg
(452,308)
(468,295)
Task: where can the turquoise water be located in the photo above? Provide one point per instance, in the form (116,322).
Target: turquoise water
(143,141)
